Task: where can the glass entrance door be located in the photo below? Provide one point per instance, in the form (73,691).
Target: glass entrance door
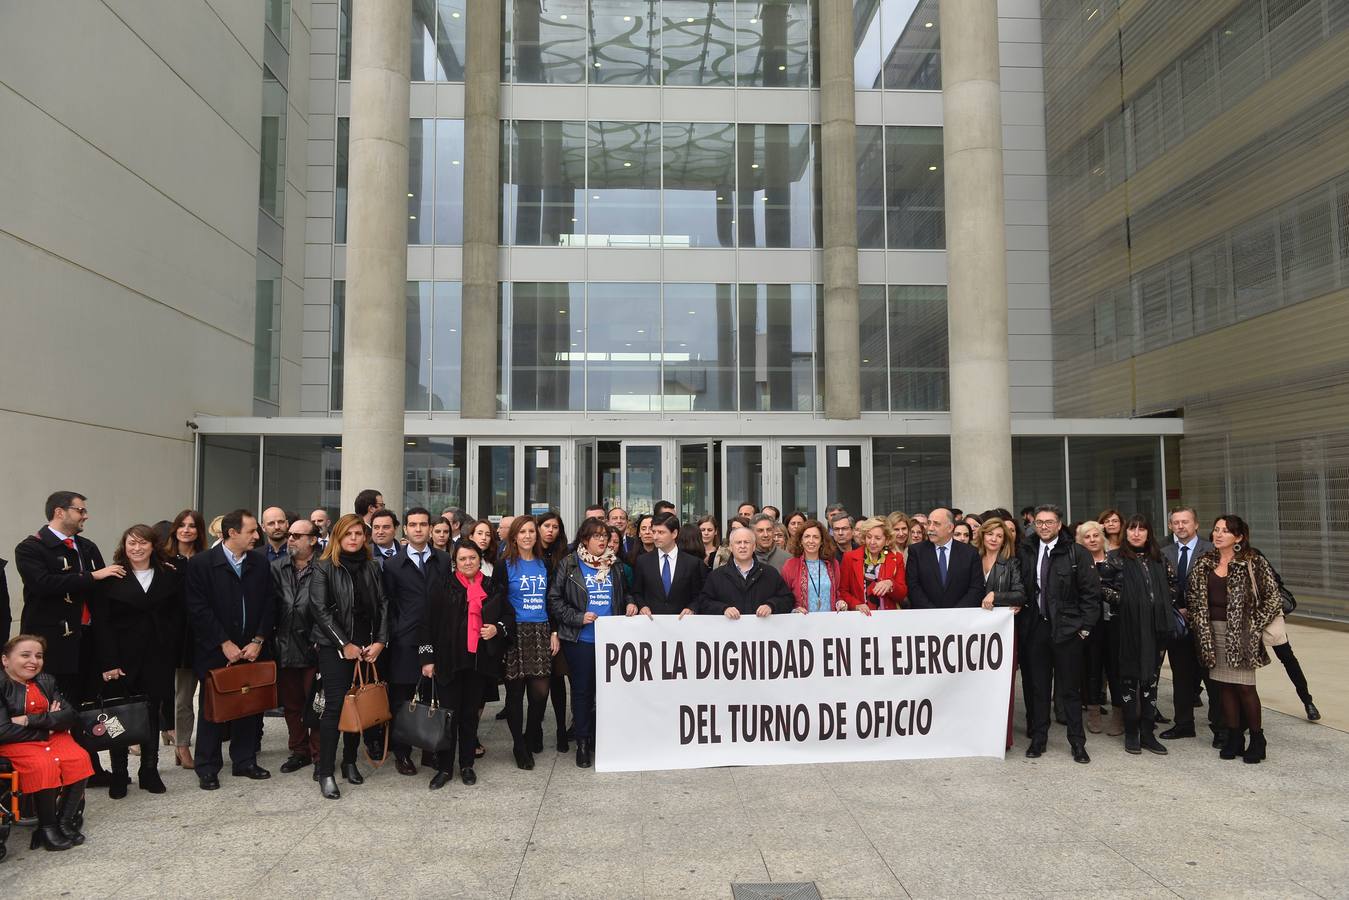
(699,479)
(542,478)
(494,491)
(743,475)
(799,471)
(509,478)
(844,477)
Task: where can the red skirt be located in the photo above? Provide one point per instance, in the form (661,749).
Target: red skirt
(52,763)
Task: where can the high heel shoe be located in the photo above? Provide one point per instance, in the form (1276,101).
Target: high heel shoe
(49,837)
(183,757)
(169,737)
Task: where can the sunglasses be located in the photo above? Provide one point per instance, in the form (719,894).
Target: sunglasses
(295,536)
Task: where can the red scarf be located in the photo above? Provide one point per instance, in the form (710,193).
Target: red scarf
(476,595)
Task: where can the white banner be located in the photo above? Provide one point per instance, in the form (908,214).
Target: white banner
(826,687)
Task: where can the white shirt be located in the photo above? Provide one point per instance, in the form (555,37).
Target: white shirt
(236,561)
(1191,543)
(145,577)
(947,547)
(671,554)
(1046,547)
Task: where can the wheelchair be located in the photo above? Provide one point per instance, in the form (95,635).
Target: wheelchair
(17,809)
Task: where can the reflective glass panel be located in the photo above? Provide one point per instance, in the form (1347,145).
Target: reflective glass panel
(278,19)
(698,42)
(643,473)
(449,181)
(417,371)
(451,39)
(799,485)
(446,346)
(622,347)
(779,186)
(302,474)
(919,357)
(624,185)
(1118,472)
(625,45)
(344,40)
(543,478)
(340,181)
(434,473)
(870,187)
(272,171)
(1038,476)
(910,40)
(875,354)
(548,42)
(267,331)
(699,198)
(423,40)
(699,338)
(337,331)
(911,474)
(547,335)
(229,474)
(866,29)
(776,343)
(421,180)
(915,193)
(496,481)
(744,477)
(776,44)
(545,194)
(843,475)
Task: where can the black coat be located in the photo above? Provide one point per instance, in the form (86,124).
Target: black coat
(964,577)
(332,602)
(14,702)
(187,647)
(1145,619)
(568,598)
(56,586)
(443,635)
(726,587)
(1073,595)
(139,631)
(1004,580)
(228,607)
(292,641)
(6,617)
(408,588)
(686,583)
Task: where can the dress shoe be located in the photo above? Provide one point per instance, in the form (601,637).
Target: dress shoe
(208,782)
(582,754)
(1080,755)
(352,774)
(295,764)
(1035,751)
(149,781)
(1151,744)
(1255,750)
(1313,714)
(118,786)
(468,776)
(1178,731)
(1235,745)
(49,837)
(328,788)
(255,772)
(182,757)
(403,765)
(440,779)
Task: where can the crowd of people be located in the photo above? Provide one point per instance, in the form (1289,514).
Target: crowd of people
(462,608)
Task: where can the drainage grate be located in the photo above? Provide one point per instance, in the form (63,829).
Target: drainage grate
(784,890)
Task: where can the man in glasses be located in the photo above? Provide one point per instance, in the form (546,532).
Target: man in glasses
(60,569)
(291,644)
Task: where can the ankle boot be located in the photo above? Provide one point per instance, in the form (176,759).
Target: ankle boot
(1115,727)
(1255,751)
(582,753)
(70,814)
(1132,740)
(1148,740)
(48,833)
(148,780)
(1235,744)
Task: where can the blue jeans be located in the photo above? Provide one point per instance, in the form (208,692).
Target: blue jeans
(581,661)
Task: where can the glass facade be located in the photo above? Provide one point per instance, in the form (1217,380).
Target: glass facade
(272,171)
(435,181)
(897,45)
(267,331)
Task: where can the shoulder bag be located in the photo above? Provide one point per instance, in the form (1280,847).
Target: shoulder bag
(427,726)
(366,705)
(239,690)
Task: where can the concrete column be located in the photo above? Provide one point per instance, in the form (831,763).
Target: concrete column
(842,375)
(372,385)
(482,201)
(976,257)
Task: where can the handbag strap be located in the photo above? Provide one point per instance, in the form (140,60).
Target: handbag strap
(356,711)
(435,704)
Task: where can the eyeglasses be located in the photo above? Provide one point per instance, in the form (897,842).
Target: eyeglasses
(1045,523)
(82,510)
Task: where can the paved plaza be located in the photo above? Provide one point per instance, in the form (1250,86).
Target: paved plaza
(1188,825)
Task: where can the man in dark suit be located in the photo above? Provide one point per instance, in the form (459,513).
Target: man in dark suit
(232,608)
(744,586)
(1063,605)
(666,582)
(618,517)
(1187,672)
(59,570)
(943,573)
(417,572)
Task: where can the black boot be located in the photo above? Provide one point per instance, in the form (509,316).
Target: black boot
(328,788)
(1255,751)
(582,753)
(523,758)
(119,779)
(70,814)
(1131,739)
(1295,674)
(48,833)
(1148,740)
(352,774)
(1235,745)
(149,781)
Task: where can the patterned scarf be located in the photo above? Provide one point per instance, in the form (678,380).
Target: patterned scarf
(599,563)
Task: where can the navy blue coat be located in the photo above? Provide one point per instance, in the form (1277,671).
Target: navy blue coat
(227,607)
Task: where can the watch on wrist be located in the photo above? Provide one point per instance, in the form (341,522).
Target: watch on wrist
(256,640)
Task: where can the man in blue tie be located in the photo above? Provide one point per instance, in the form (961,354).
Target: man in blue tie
(666,581)
(942,572)
(1187,673)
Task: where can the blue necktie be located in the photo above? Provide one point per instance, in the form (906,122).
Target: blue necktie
(941,564)
(665,572)
(1184,568)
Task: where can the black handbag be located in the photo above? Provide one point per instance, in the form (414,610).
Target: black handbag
(313,706)
(1287,600)
(123,722)
(426,726)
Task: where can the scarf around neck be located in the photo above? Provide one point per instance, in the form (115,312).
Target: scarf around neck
(599,563)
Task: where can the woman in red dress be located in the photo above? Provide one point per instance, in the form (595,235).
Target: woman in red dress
(35,723)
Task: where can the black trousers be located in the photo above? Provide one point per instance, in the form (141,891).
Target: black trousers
(1140,700)
(243,735)
(463,695)
(337,674)
(1043,659)
(399,694)
(1186,676)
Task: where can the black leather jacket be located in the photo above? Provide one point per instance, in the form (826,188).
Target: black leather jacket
(1004,580)
(568,598)
(332,596)
(293,641)
(14,697)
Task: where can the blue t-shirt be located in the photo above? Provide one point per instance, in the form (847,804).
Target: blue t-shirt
(528,580)
(601,598)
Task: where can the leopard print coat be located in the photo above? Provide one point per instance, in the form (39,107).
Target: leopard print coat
(1247,615)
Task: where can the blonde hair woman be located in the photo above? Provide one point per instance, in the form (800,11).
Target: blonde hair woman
(996,544)
(898,524)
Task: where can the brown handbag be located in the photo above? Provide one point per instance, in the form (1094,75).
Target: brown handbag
(366,705)
(238,690)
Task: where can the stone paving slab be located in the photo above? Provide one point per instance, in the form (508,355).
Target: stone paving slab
(1186,825)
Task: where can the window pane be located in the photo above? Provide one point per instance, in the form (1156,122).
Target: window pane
(449,181)
(278,19)
(229,474)
(624,186)
(423,40)
(446,346)
(344,40)
(919,360)
(699,341)
(775,44)
(434,473)
(417,372)
(910,39)
(776,344)
(548,45)
(866,28)
(272,171)
(1307,254)
(1116,473)
(267,331)
(911,474)
(545,193)
(547,335)
(1037,474)
(1199,86)
(915,193)
(699,164)
(340,182)
(875,355)
(623,51)
(451,39)
(698,41)
(302,474)
(623,347)
(336,349)
(1241,54)
(1255,283)
(870,187)
(421,179)
(778,200)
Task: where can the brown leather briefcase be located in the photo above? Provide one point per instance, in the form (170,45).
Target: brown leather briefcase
(239,690)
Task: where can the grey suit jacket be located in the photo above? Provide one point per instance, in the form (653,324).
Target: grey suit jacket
(1171,552)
